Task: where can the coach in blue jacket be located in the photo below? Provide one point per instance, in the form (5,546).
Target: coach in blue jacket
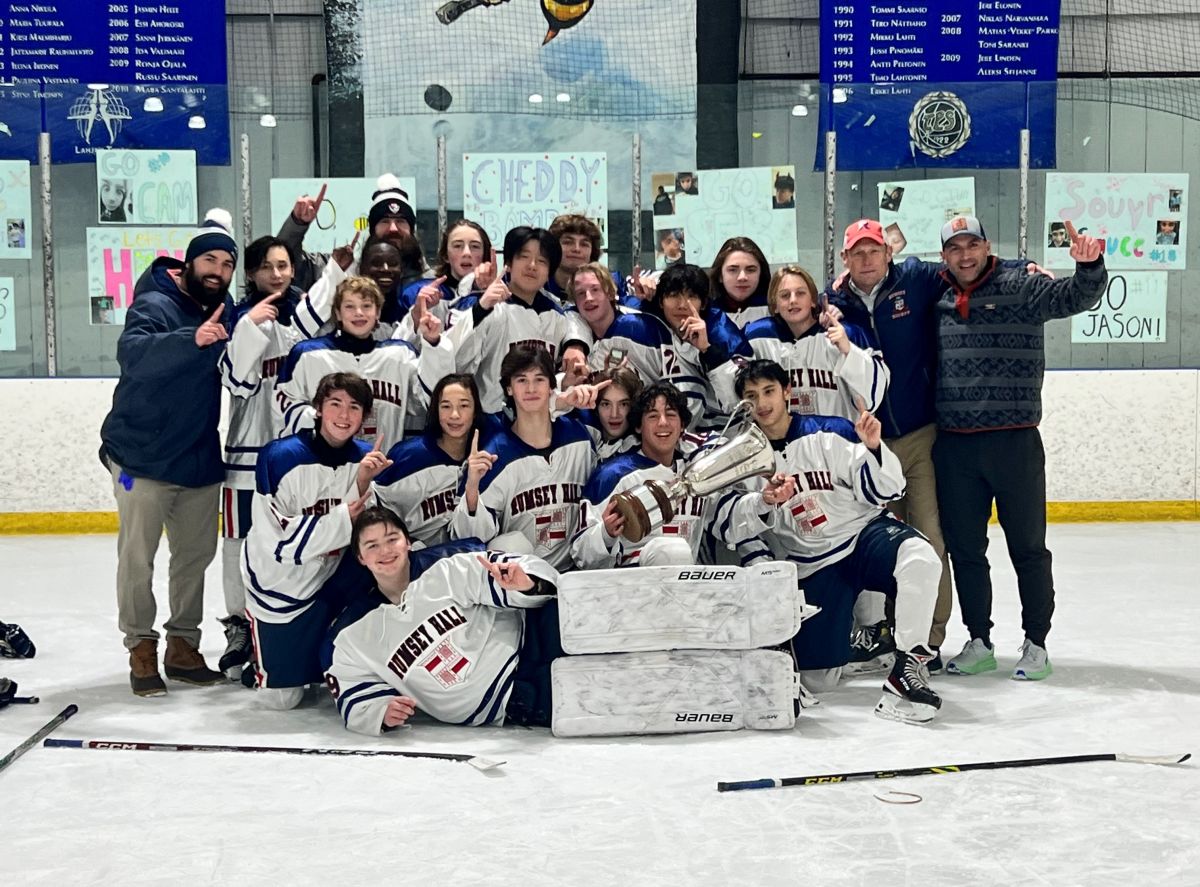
(160,443)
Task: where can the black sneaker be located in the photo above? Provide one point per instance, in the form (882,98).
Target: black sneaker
(14,643)
(872,649)
(907,695)
(935,664)
(237,645)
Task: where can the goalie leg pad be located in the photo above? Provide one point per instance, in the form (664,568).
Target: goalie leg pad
(682,691)
(665,608)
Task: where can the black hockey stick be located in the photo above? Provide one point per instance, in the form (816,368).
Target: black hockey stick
(24,700)
(450,12)
(830,778)
(474,760)
(33,740)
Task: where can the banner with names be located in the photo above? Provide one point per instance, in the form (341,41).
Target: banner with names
(1134,309)
(913,212)
(503,191)
(1140,217)
(146,187)
(116,258)
(16,203)
(343,211)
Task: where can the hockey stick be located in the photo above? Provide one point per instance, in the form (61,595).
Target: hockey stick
(24,700)
(475,761)
(829,778)
(451,11)
(33,740)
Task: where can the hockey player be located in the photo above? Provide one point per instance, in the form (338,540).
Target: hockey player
(704,343)
(400,376)
(310,488)
(463,642)
(465,246)
(272,318)
(824,510)
(422,483)
(608,423)
(740,275)
(521,491)
(829,362)
(660,414)
(514,312)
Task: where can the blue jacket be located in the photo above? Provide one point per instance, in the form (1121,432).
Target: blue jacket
(904,327)
(163,422)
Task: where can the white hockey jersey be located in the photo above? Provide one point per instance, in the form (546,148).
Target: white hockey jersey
(593,549)
(422,487)
(452,644)
(482,337)
(824,381)
(748,312)
(401,380)
(251,362)
(300,522)
(605,448)
(840,488)
(532,492)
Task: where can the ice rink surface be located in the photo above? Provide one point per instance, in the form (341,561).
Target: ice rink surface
(631,811)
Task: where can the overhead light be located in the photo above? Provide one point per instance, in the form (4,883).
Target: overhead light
(562,97)
(536,99)
(196,122)
(839,95)
(267,120)
(152,104)
(799,110)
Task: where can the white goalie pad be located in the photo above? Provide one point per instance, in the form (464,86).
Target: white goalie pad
(680,608)
(681,691)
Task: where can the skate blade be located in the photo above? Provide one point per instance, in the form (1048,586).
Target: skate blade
(485,764)
(893,708)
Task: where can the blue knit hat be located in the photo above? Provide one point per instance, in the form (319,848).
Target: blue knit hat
(215,232)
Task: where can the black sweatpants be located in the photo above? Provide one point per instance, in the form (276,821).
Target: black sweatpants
(1009,467)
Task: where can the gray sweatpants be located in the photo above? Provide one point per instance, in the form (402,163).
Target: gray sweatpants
(189,515)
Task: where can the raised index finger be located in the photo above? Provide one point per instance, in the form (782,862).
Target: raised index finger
(860,403)
(600,386)
(378,448)
(475,443)
(320,196)
(1071,232)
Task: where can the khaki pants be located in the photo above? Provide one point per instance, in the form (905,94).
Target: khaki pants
(189,515)
(919,509)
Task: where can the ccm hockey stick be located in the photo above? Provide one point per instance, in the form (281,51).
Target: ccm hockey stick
(37,737)
(829,778)
(474,760)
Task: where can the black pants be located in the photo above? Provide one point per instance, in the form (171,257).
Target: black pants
(1010,468)
(532,703)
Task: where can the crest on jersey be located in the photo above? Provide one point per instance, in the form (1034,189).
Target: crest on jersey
(939,124)
(446,664)
(808,515)
(551,527)
(804,401)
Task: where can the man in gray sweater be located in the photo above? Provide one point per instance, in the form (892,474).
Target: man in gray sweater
(991,361)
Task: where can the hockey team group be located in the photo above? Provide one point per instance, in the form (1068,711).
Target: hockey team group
(440,485)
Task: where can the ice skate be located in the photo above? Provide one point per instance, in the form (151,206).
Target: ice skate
(907,696)
(976,658)
(237,646)
(872,650)
(1034,664)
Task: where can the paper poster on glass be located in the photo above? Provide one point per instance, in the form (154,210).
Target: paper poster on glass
(713,205)
(912,213)
(1134,309)
(15,210)
(343,210)
(503,191)
(8,315)
(1141,218)
(146,187)
(116,258)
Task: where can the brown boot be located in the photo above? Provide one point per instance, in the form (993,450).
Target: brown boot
(184,663)
(143,670)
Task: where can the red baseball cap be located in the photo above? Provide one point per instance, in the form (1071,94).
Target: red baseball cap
(863,229)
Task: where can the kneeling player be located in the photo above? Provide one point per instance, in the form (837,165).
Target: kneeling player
(825,511)
(465,642)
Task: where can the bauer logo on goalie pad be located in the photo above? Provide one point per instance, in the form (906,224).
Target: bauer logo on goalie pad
(447,665)
(694,717)
(710,575)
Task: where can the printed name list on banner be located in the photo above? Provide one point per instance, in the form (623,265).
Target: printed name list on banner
(712,205)
(913,213)
(146,187)
(940,83)
(1134,309)
(15,210)
(113,75)
(502,191)
(343,211)
(1139,217)
(116,258)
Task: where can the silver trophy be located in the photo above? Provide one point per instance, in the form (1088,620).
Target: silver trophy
(746,454)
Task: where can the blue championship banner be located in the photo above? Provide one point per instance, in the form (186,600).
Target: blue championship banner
(938,83)
(99,75)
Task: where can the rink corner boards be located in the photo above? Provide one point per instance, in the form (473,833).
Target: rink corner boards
(67,523)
